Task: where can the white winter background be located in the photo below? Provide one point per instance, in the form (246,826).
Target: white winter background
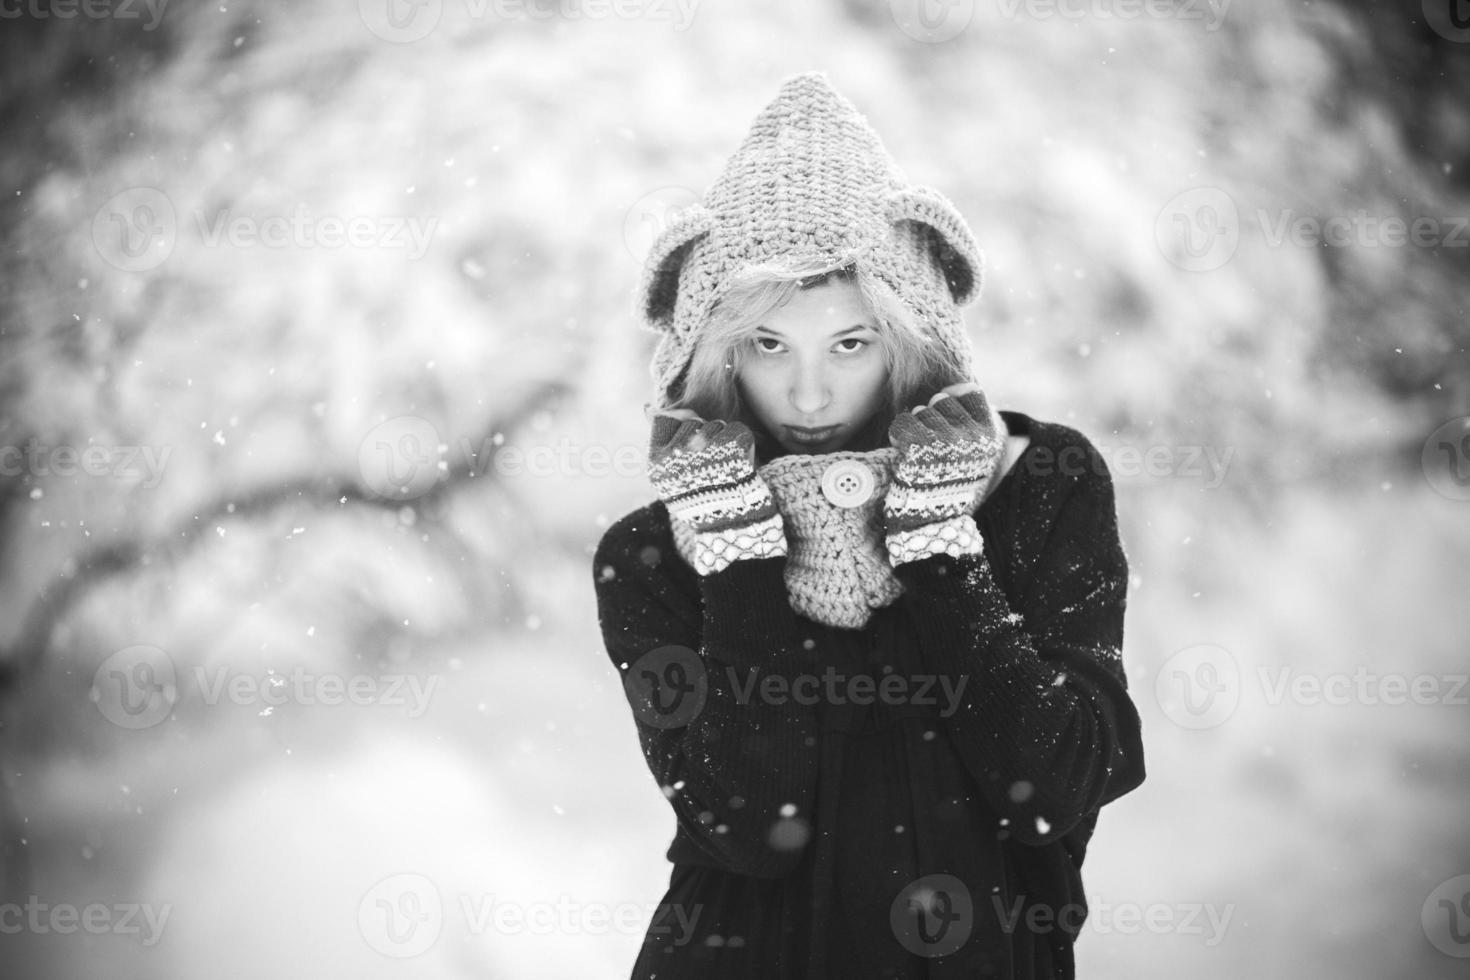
(334,495)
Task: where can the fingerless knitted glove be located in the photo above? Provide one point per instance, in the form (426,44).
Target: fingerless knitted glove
(947,453)
(705,474)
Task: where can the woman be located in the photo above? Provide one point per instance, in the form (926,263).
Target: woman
(872,650)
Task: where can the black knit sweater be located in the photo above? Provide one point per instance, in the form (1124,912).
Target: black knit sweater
(993,723)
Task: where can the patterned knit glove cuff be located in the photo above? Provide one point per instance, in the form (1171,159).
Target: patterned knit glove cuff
(951,495)
(714,551)
(954,536)
(744,502)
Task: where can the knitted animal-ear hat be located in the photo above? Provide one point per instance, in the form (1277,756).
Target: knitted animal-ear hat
(811,188)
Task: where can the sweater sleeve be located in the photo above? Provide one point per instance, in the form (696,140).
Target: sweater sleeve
(738,768)
(1044,724)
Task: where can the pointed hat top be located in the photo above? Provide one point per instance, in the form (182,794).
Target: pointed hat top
(811,187)
(804,185)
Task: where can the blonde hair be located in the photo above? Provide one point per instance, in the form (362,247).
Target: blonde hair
(918,364)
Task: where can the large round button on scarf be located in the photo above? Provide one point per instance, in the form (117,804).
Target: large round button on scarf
(848,483)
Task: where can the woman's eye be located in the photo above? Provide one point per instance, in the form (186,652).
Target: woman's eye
(760,343)
(857,345)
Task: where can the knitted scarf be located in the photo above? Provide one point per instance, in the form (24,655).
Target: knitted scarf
(837,567)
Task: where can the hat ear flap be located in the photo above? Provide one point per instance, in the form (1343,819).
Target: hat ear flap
(953,247)
(660,286)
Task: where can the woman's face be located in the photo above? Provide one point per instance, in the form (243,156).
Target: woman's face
(816,372)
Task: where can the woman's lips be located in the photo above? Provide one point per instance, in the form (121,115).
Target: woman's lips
(811,436)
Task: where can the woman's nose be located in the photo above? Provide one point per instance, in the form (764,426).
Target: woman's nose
(809,390)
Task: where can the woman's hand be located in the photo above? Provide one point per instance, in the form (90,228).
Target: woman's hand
(705,473)
(952,391)
(948,450)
